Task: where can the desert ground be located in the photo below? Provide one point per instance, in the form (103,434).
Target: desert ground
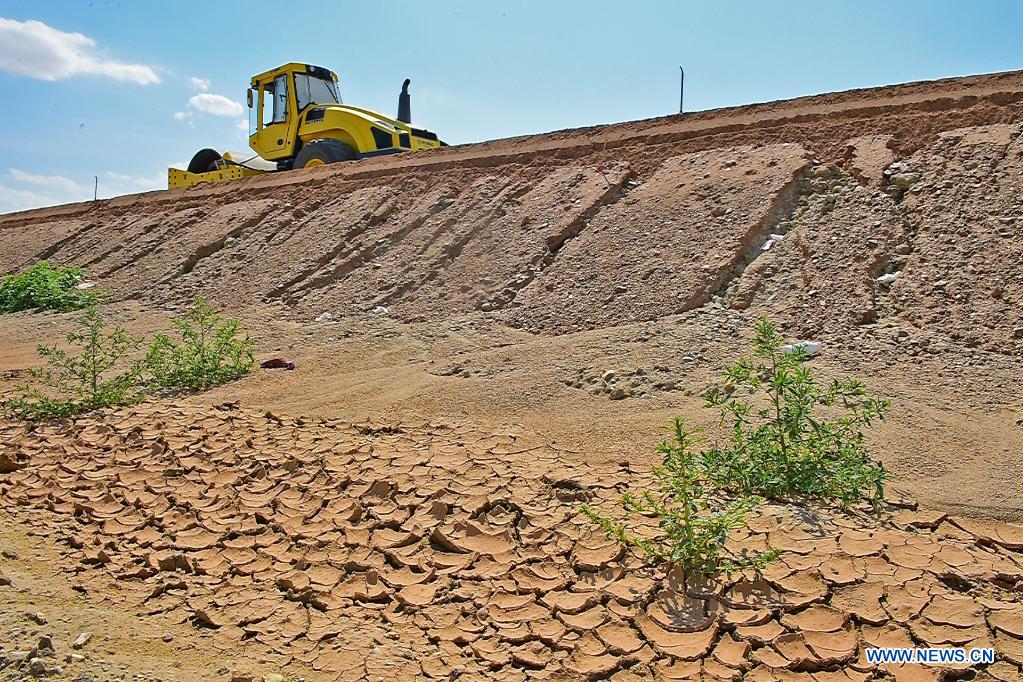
(487,336)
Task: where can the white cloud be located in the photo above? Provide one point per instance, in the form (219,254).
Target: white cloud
(21,191)
(216,105)
(18,199)
(114,182)
(242,125)
(185,116)
(49,183)
(200,84)
(37,50)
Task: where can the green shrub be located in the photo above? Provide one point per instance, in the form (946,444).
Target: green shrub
(210,352)
(692,525)
(92,374)
(96,371)
(45,288)
(782,445)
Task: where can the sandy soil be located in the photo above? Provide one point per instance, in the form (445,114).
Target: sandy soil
(91,631)
(510,325)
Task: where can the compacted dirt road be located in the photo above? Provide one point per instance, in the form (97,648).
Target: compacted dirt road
(486,337)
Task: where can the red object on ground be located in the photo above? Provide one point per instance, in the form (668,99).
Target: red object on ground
(277,363)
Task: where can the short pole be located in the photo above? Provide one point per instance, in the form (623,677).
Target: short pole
(681,89)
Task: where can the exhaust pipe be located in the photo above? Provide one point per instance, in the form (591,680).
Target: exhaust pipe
(405,103)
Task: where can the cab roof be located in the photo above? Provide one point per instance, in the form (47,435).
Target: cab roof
(294,67)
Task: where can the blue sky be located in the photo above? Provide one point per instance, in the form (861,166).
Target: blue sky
(123,89)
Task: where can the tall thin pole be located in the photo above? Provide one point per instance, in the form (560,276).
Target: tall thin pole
(681,89)
(95,188)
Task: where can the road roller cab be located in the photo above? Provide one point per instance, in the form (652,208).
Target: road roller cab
(298,120)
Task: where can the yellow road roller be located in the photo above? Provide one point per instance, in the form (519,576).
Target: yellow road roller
(297,120)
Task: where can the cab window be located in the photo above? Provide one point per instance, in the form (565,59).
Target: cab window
(253,111)
(280,98)
(311,90)
(266,99)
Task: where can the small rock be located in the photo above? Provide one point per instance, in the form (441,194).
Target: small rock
(608,376)
(324,317)
(620,393)
(168,637)
(897,167)
(381,310)
(36,617)
(81,640)
(242,677)
(888,278)
(45,644)
(37,667)
(810,348)
(17,657)
(905,180)
(95,556)
(74,658)
(451,370)
(273,677)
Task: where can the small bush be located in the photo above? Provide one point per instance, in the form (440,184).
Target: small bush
(693,527)
(210,352)
(45,288)
(85,378)
(781,446)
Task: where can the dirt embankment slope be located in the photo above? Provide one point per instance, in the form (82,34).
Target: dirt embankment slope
(592,228)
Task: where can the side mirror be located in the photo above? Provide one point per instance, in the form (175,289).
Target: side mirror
(249,97)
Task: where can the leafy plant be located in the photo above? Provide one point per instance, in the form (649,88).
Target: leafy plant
(211,352)
(95,372)
(46,288)
(693,527)
(83,378)
(781,446)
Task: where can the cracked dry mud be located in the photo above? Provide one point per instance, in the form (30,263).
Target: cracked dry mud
(431,550)
(529,281)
